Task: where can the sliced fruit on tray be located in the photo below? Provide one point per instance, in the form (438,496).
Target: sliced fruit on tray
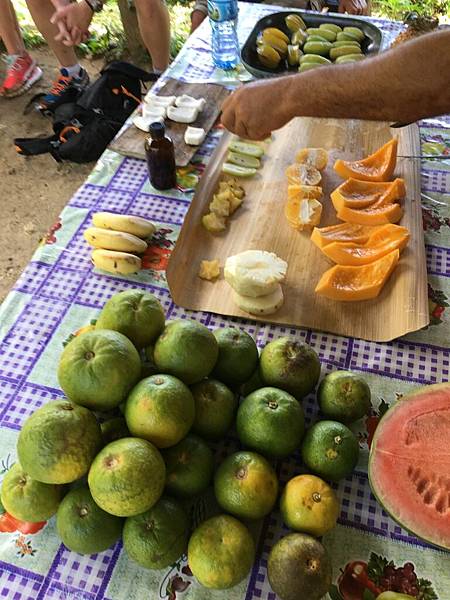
(246,148)
(243,160)
(304,191)
(355,193)
(379,166)
(303,212)
(316,157)
(377,215)
(408,466)
(344,232)
(303,174)
(357,283)
(348,253)
(237,171)
(255,273)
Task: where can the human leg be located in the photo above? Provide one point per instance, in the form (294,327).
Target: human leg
(154,25)
(22,71)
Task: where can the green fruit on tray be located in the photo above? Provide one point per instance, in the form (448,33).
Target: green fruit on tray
(268,56)
(275,42)
(346,36)
(294,54)
(314,58)
(357,33)
(294,22)
(322,48)
(316,38)
(277,33)
(342,51)
(299,37)
(346,43)
(325,33)
(348,58)
(307,66)
(237,171)
(243,160)
(246,148)
(331,27)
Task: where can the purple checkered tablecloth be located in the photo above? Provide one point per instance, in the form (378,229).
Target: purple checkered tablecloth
(60,292)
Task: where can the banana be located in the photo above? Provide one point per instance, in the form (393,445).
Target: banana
(114,240)
(137,226)
(121,263)
(265,305)
(254,273)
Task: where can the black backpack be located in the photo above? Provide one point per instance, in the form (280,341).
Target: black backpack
(87,120)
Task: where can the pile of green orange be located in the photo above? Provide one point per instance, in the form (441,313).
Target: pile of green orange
(133,443)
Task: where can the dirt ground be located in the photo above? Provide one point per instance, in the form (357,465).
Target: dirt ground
(33,190)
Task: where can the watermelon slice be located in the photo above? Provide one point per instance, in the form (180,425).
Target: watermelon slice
(409,463)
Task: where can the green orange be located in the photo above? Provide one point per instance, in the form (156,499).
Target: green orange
(246,485)
(310,505)
(158,537)
(127,477)
(238,356)
(58,442)
(189,466)
(160,409)
(215,408)
(330,449)
(271,421)
(344,396)
(221,552)
(27,499)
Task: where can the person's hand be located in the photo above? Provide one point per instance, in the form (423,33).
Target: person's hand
(254,110)
(353,7)
(73,23)
(197,17)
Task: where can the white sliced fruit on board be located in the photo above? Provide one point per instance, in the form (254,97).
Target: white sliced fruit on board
(316,157)
(194,136)
(246,148)
(121,263)
(309,213)
(255,273)
(160,100)
(114,240)
(243,160)
(237,171)
(264,305)
(142,228)
(153,111)
(143,123)
(185,100)
(182,114)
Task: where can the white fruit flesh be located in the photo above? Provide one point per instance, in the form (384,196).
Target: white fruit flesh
(255,273)
(264,305)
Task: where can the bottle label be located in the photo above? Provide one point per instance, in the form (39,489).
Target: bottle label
(222,11)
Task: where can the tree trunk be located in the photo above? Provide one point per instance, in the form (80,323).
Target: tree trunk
(138,53)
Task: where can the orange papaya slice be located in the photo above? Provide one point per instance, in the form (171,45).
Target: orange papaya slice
(351,284)
(349,254)
(379,166)
(374,215)
(362,194)
(344,232)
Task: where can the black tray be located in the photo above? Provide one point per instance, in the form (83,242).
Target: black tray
(370,45)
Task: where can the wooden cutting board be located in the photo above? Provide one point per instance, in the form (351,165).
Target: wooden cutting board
(259,223)
(131,141)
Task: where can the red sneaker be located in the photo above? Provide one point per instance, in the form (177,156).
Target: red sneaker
(21,73)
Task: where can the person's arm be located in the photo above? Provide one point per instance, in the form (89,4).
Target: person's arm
(407,83)
(198,14)
(353,7)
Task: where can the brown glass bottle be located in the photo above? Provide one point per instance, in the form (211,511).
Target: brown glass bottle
(160,158)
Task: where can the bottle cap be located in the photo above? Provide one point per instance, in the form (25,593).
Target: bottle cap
(157,130)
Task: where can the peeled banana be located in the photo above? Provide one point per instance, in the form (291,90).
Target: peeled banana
(137,226)
(114,240)
(255,273)
(120,263)
(264,305)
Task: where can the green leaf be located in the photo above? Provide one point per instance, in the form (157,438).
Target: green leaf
(426,591)
(376,566)
(368,595)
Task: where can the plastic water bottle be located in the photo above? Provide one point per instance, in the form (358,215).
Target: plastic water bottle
(225,45)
